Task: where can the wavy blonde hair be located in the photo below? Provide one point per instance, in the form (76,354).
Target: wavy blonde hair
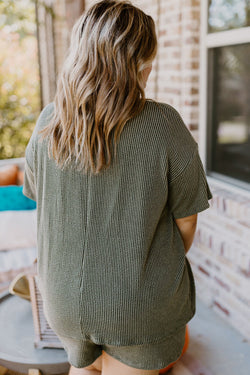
(101,84)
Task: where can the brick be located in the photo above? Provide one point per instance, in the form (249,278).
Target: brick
(193,127)
(244,299)
(169,43)
(221,307)
(192,40)
(162,32)
(233,279)
(245,224)
(172,90)
(223,284)
(245,272)
(192,65)
(203,270)
(172,18)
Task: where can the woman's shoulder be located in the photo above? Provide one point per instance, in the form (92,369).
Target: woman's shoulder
(166,112)
(167,108)
(46,111)
(44,117)
(170,120)
(49,107)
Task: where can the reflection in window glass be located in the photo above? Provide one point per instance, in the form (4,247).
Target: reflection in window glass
(230,120)
(228,14)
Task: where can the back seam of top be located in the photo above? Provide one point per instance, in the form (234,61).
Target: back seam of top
(84,247)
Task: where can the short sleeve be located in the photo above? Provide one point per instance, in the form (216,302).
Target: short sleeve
(189,192)
(29,184)
(29,187)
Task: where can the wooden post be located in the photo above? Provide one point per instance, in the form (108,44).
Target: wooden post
(46,50)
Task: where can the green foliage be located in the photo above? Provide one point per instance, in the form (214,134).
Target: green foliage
(19,76)
(19,15)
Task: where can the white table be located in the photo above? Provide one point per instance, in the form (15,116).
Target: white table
(17,350)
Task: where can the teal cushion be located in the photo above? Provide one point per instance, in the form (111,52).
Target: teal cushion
(12,198)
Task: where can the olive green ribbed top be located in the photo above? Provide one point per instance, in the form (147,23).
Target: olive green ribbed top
(111,261)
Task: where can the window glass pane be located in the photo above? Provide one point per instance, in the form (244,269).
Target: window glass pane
(228,14)
(229,68)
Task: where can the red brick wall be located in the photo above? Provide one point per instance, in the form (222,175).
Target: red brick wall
(220,257)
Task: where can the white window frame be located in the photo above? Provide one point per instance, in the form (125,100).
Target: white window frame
(216,39)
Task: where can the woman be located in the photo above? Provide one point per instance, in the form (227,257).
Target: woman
(118,182)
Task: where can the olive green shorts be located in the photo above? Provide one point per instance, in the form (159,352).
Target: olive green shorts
(146,356)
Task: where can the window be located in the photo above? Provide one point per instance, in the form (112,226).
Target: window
(228,14)
(230,120)
(228,90)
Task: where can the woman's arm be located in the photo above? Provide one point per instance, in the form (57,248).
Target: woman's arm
(187,227)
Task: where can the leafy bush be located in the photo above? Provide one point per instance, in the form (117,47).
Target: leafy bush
(19,77)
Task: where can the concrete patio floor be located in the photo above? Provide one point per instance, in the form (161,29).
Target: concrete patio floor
(215,348)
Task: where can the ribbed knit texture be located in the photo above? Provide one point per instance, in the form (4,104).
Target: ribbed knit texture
(111,261)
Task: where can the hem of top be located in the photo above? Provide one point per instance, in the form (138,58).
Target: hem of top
(101,342)
(192,212)
(28,195)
